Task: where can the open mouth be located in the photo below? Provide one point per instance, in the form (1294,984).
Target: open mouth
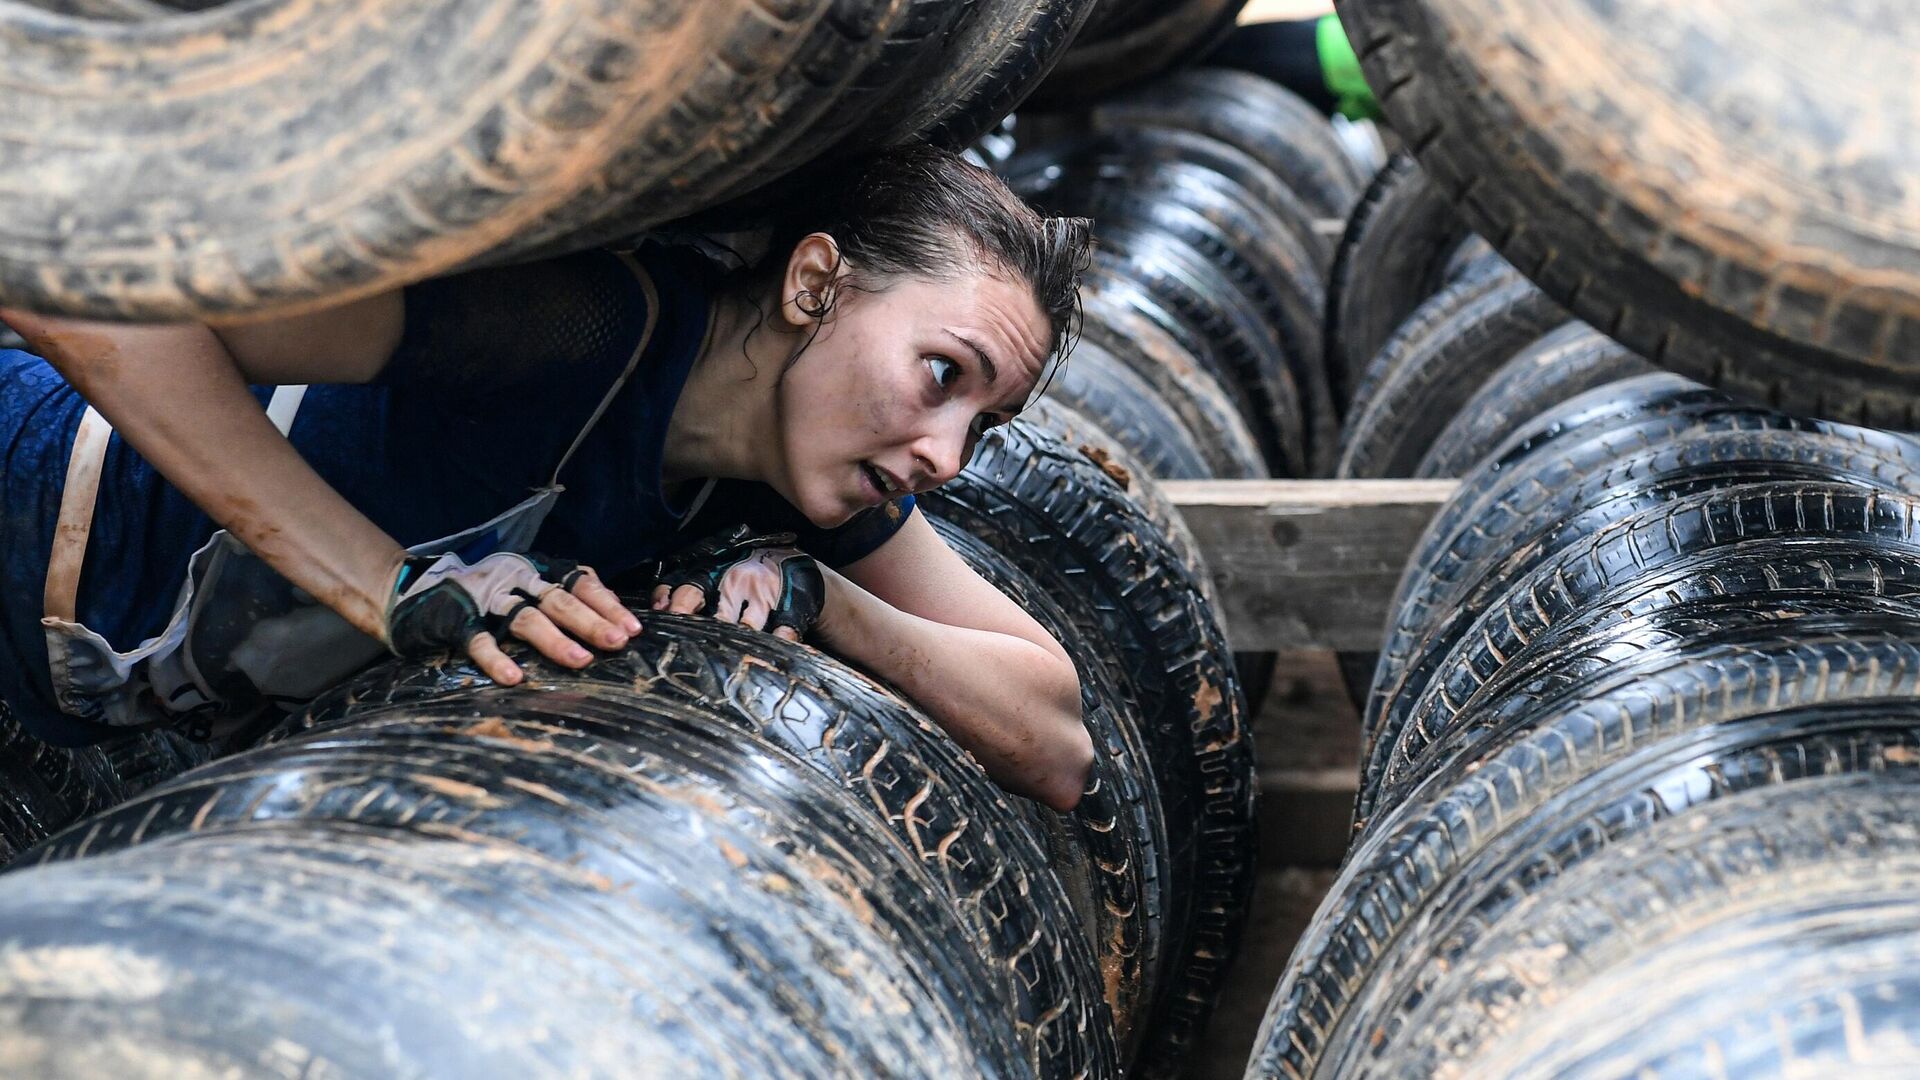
(882,483)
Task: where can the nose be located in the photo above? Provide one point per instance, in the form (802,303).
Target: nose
(940,455)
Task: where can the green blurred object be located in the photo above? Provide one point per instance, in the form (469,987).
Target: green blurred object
(1341,69)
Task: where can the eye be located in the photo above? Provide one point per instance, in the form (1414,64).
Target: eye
(945,372)
(986,422)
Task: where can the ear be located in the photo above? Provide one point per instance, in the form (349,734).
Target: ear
(813,272)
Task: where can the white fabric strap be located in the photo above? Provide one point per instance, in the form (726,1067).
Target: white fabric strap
(74,526)
(75,523)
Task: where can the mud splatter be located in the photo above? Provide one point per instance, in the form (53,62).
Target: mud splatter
(1099,456)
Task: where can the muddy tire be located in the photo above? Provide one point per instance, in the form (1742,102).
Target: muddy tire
(1396,251)
(1159,180)
(1433,365)
(1116,323)
(1598,766)
(1202,296)
(994,58)
(44,788)
(1591,572)
(510,877)
(1562,365)
(1068,526)
(1699,188)
(1108,392)
(1256,116)
(307,186)
(1135,50)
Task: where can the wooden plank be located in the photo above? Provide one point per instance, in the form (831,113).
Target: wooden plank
(1306,563)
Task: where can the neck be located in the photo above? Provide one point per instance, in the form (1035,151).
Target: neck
(729,405)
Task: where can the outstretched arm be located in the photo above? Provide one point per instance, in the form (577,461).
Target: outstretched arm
(179,397)
(914,614)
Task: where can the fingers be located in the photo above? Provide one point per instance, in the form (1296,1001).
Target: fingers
(487,656)
(604,603)
(572,614)
(660,595)
(687,600)
(533,627)
(786,633)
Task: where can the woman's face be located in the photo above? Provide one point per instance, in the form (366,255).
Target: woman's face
(898,386)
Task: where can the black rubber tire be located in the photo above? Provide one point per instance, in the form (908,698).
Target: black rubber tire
(1064,522)
(1698,188)
(44,788)
(1137,49)
(515,879)
(1394,254)
(1114,322)
(306,185)
(1573,776)
(843,726)
(1564,364)
(998,54)
(1158,180)
(1539,505)
(1590,571)
(1205,298)
(1255,670)
(1107,392)
(1782,901)
(1433,365)
(1138,145)
(1254,115)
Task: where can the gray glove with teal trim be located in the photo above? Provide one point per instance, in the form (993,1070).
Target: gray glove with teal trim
(759,580)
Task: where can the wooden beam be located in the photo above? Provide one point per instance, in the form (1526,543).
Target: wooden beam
(1306,563)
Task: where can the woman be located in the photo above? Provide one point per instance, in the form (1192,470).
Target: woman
(608,408)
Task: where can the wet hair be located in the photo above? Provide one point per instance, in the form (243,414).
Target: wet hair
(921,211)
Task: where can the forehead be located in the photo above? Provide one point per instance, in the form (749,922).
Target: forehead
(1001,317)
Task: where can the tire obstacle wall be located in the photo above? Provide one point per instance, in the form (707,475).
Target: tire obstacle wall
(1639,773)
(712,853)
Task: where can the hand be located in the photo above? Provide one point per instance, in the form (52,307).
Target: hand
(762,582)
(443,605)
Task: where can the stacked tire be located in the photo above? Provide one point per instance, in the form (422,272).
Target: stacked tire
(1640,776)
(713,853)
(165,164)
(1725,190)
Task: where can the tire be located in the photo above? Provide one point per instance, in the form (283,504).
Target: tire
(508,881)
(1205,298)
(1433,365)
(1107,392)
(1394,254)
(1254,115)
(1576,773)
(1783,901)
(1175,376)
(1681,181)
(1590,572)
(306,186)
(1178,33)
(1534,506)
(1139,179)
(1564,364)
(1138,145)
(44,788)
(1591,428)
(993,60)
(978,844)
(1067,525)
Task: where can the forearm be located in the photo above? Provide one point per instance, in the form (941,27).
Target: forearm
(1010,703)
(175,395)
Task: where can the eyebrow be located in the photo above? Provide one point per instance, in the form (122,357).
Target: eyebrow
(993,373)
